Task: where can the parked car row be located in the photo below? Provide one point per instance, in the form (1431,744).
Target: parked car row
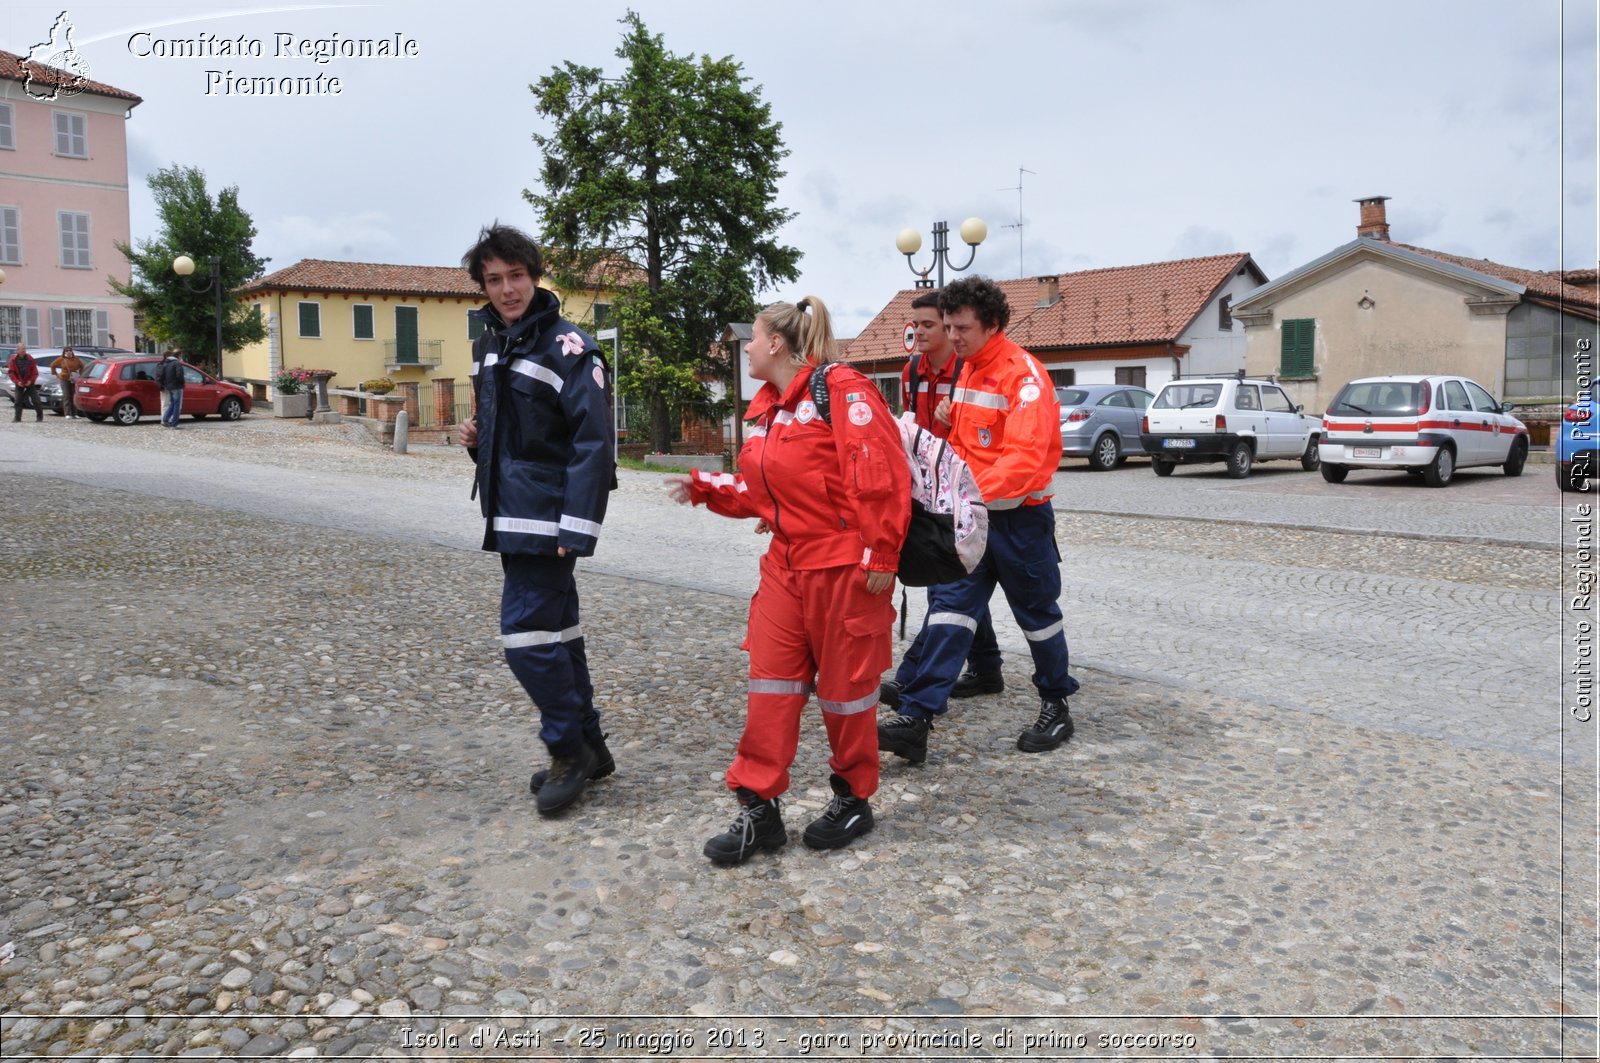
(49,394)
(1427,425)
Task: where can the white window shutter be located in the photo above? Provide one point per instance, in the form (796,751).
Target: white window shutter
(102,328)
(58,327)
(30,326)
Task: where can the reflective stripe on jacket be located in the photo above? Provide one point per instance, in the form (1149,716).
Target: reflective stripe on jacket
(836,495)
(1006,423)
(545,463)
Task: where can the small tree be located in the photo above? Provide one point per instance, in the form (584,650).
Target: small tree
(660,184)
(194,224)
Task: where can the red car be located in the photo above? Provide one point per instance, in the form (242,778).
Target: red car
(123,387)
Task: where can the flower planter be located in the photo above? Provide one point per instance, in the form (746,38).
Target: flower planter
(295,405)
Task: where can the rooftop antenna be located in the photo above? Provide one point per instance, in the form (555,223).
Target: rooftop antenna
(1021,272)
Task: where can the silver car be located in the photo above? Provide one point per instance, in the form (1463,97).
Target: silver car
(1101,422)
(48,395)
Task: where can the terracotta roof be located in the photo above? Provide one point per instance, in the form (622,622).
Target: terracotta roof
(1555,285)
(11,69)
(375,278)
(1150,303)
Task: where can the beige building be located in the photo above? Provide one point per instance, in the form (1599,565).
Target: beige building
(364,320)
(1373,307)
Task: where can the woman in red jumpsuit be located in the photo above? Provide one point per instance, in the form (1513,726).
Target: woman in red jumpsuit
(836,498)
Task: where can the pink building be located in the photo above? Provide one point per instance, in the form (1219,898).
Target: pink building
(63,207)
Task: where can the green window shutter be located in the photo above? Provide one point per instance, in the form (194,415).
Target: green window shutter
(1299,336)
(363,321)
(474,328)
(311,319)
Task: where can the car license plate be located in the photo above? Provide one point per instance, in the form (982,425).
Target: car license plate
(1178,444)
(1366,452)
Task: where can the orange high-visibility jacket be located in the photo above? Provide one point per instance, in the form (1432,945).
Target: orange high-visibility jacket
(1005,421)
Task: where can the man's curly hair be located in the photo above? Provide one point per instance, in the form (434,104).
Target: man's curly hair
(983,295)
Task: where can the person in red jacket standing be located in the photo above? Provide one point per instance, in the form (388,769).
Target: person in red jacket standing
(1005,421)
(23,372)
(835,492)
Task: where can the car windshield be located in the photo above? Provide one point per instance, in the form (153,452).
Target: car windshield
(1378,398)
(1187,396)
(1071,396)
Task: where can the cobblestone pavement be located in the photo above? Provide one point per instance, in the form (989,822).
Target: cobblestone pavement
(267,795)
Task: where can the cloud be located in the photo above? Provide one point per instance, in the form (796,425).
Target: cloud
(364,236)
(1197,241)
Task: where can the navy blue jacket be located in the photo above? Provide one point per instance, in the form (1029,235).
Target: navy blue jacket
(545,462)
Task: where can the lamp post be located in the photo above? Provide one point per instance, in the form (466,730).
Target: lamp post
(909,242)
(616,387)
(183,266)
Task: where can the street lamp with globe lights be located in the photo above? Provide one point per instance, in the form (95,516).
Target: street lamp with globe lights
(183,266)
(909,242)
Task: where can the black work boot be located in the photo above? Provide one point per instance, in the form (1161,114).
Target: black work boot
(604,766)
(905,736)
(1051,729)
(972,683)
(889,693)
(565,780)
(758,826)
(848,817)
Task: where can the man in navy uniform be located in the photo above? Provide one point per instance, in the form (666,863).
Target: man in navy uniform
(542,439)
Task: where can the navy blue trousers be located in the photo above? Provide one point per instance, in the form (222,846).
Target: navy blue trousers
(1023,561)
(984,657)
(544,646)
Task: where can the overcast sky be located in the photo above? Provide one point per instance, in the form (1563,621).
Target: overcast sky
(1153,129)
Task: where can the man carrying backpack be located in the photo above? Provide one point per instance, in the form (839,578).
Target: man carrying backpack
(1005,422)
(23,373)
(927,380)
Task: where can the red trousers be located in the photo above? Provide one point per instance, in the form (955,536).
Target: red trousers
(813,629)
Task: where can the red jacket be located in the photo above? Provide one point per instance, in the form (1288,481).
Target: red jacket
(25,375)
(932,386)
(833,496)
(1005,421)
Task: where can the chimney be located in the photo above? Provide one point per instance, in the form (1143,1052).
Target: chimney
(1374,223)
(1049,291)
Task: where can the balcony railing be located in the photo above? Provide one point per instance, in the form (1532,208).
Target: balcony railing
(398,354)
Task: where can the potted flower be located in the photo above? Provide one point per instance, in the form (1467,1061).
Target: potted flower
(378,386)
(292,399)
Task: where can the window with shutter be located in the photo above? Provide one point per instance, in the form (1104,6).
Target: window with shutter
(1297,358)
(311,320)
(11,325)
(8,133)
(74,239)
(475,327)
(363,321)
(72,138)
(11,236)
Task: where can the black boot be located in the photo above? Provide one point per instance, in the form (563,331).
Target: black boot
(566,779)
(758,826)
(848,817)
(972,683)
(905,736)
(604,765)
(1051,729)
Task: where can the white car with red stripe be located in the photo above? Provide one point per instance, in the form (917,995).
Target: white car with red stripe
(1428,425)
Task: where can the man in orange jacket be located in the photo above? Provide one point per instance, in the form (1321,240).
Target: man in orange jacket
(1005,421)
(927,380)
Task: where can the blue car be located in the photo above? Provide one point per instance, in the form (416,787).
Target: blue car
(1576,450)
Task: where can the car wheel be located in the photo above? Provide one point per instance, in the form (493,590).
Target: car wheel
(1565,480)
(1312,457)
(1335,474)
(1441,470)
(97,417)
(1517,458)
(230,410)
(1240,458)
(126,412)
(1106,453)
(1163,468)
